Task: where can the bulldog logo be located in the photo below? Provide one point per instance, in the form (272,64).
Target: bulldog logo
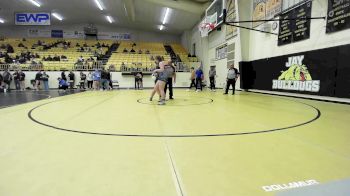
(297,77)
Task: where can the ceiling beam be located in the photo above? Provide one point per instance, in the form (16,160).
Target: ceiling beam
(130,9)
(184,5)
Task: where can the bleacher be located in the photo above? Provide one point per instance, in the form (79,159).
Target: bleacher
(142,58)
(183,53)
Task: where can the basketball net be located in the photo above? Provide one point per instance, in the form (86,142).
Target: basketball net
(205,27)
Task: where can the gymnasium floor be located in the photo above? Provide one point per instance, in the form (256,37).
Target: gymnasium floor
(200,144)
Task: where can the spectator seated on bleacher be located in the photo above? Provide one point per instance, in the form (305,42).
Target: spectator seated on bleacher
(111,68)
(77,45)
(85,45)
(140,51)
(21,45)
(98,45)
(56,58)
(189,55)
(90,59)
(63,57)
(125,50)
(80,59)
(49,58)
(147,52)
(132,50)
(10,49)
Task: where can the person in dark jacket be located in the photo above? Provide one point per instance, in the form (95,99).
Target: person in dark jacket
(16,79)
(38,80)
(71,77)
(7,78)
(22,77)
(45,79)
(63,76)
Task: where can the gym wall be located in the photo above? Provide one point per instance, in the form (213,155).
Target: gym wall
(136,35)
(182,79)
(323,72)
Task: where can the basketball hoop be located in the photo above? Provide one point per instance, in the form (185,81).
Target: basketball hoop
(205,27)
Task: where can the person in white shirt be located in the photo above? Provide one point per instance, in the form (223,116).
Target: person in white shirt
(232,76)
(89,80)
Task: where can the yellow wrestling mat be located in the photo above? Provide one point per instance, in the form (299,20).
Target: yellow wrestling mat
(200,144)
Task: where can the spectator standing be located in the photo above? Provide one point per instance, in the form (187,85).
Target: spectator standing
(192,78)
(109,78)
(96,77)
(7,78)
(104,80)
(232,76)
(71,77)
(89,80)
(16,79)
(45,79)
(199,78)
(212,75)
(22,77)
(37,80)
(63,76)
(82,80)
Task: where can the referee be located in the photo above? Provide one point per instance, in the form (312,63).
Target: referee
(232,76)
(171,80)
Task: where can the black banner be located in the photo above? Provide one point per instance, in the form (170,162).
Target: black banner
(322,72)
(295,30)
(338,15)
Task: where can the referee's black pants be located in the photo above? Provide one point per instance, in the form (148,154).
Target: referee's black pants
(229,83)
(170,83)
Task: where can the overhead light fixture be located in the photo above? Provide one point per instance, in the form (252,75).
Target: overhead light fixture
(161,27)
(166,16)
(98,3)
(34,3)
(58,17)
(110,19)
(2,20)
(126,11)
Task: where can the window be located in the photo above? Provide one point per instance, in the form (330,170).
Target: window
(290,3)
(221,52)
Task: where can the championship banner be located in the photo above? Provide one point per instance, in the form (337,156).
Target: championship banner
(320,72)
(273,7)
(37,19)
(231,16)
(259,11)
(35,33)
(295,30)
(114,36)
(57,33)
(338,17)
(74,34)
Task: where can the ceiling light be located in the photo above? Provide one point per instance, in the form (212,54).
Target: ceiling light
(58,17)
(2,21)
(34,3)
(98,3)
(161,27)
(166,16)
(110,20)
(126,11)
